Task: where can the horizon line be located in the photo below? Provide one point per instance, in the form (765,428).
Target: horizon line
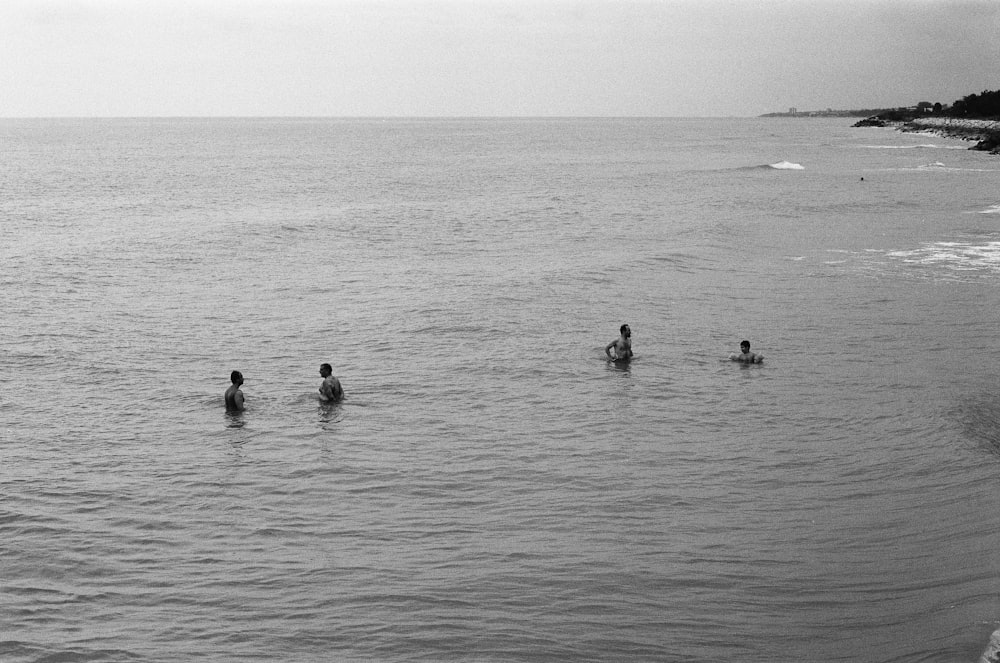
(376,117)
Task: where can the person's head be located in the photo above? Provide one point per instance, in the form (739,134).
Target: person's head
(745,346)
(325,370)
(625,331)
(236,377)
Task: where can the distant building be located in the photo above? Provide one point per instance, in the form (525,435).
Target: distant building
(793,109)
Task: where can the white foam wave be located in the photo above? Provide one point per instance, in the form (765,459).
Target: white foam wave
(993,209)
(954,256)
(925,146)
(787,165)
(938,166)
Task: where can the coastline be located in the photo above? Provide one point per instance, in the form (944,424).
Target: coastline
(986,133)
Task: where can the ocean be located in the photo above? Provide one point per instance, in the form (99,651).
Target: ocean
(492,488)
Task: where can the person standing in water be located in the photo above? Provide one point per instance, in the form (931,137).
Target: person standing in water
(622,345)
(330,390)
(234,397)
(746,356)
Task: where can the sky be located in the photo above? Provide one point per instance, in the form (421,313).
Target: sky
(489,58)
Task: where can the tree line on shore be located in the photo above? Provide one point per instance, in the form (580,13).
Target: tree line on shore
(983,106)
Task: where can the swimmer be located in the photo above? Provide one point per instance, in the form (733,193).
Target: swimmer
(330,390)
(622,345)
(234,397)
(746,356)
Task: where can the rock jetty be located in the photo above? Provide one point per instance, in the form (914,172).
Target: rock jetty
(986,133)
(992,653)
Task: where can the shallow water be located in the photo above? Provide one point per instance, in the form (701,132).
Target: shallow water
(492,488)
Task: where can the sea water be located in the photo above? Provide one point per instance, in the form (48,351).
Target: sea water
(492,488)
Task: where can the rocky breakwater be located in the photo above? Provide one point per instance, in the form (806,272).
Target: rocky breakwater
(986,133)
(992,652)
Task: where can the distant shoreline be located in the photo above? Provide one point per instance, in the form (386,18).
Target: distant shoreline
(828,113)
(986,133)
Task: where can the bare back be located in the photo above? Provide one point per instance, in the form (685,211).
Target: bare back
(234,398)
(331,390)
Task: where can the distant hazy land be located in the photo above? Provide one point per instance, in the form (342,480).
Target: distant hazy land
(975,117)
(829,113)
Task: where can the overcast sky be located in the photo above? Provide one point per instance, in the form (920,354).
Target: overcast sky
(489,57)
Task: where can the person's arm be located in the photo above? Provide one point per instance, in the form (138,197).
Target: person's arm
(607,349)
(238,399)
(338,391)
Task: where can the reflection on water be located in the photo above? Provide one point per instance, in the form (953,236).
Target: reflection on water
(329,413)
(621,365)
(980,421)
(234,419)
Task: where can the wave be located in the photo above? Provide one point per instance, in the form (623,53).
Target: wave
(933,165)
(939,166)
(925,146)
(993,209)
(954,256)
(781,165)
(960,259)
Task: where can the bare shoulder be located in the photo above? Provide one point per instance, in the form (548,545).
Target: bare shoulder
(751,358)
